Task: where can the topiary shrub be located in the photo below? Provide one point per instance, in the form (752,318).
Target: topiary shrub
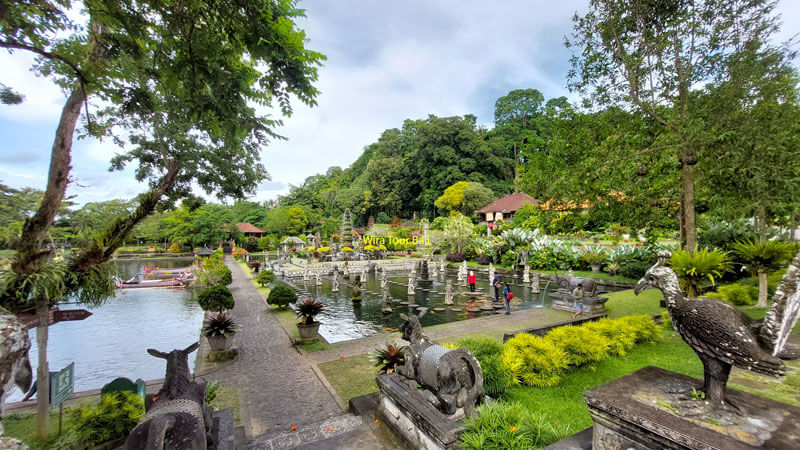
(582,345)
(534,361)
(215,298)
(281,296)
(113,418)
(174,248)
(512,426)
(497,378)
(265,277)
(643,327)
(621,338)
(739,295)
(455,257)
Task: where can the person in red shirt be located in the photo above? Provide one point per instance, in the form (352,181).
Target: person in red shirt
(471,281)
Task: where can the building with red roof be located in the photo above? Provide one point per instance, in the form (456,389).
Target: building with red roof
(503,209)
(250,230)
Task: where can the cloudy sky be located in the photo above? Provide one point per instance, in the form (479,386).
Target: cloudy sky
(386,62)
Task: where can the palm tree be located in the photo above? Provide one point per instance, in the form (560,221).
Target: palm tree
(763,258)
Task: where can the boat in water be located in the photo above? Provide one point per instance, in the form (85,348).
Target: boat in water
(137,282)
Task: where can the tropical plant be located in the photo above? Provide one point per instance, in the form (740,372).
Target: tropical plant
(387,359)
(238,253)
(458,231)
(112,418)
(215,298)
(582,345)
(496,377)
(510,426)
(612,268)
(265,277)
(763,258)
(704,264)
(219,324)
(281,296)
(533,360)
(307,309)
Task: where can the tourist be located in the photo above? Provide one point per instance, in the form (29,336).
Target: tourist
(496,284)
(578,295)
(508,295)
(471,281)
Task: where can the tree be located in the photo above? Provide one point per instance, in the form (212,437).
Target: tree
(761,259)
(180,82)
(654,56)
(465,197)
(297,221)
(459,231)
(453,196)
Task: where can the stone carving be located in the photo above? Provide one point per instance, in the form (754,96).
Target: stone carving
(451,379)
(178,418)
(526,275)
(535,283)
(723,336)
(356,291)
(384,280)
(411,286)
(423,273)
(305,275)
(441,266)
(448,292)
(335,287)
(317,279)
(15,368)
(387,304)
(462,273)
(491,272)
(346,273)
(434,270)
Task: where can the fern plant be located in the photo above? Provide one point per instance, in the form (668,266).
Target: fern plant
(704,264)
(388,358)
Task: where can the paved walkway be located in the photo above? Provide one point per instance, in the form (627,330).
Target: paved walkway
(279,388)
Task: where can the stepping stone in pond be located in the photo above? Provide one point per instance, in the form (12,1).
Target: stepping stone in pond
(413,305)
(438,309)
(473,310)
(456,309)
(500,311)
(487,308)
(420,308)
(397,300)
(405,303)
(498,306)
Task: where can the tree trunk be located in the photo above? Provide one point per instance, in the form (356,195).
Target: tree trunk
(761,225)
(681,226)
(690,231)
(762,289)
(42,372)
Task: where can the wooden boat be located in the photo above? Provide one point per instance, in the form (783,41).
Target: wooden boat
(165,271)
(136,283)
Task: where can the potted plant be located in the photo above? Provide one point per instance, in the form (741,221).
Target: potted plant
(612,268)
(218,329)
(595,258)
(306,309)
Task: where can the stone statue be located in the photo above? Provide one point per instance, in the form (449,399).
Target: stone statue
(411,286)
(535,283)
(451,379)
(434,271)
(723,336)
(335,287)
(15,368)
(346,273)
(364,272)
(571,274)
(491,271)
(464,267)
(526,275)
(460,275)
(448,292)
(317,279)
(387,304)
(441,266)
(356,291)
(305,275)
(384,279)
(178,416)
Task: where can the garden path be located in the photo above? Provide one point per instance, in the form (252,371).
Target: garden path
(279,388)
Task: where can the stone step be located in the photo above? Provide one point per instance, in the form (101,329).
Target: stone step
(309,436)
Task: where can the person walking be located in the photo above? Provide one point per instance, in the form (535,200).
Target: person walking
(508,295)
(496,284)
(577,296)
(471,281)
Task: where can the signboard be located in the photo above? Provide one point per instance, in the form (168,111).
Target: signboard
(61,384)
(54,315)
(63,315)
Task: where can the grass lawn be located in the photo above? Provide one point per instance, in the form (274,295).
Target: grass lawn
(578,273)
(351,377)
(23,427)
(229,397)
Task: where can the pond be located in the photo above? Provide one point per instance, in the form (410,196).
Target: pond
(343,320)
(113,341)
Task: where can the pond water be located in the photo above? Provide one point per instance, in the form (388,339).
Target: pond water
(113,341)
(343,320)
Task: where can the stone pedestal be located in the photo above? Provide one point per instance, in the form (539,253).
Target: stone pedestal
(650,409)
(412,416)
(591,305)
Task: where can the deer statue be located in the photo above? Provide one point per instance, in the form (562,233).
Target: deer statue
(176,417)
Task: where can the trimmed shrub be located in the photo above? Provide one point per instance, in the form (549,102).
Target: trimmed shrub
(643,327)
(582,345)
(621,338)
(265,277)
(496,377)
(739,295)
(534,361)
(281,296)
(113,418)
(174,248)
(215,298)
(510,426)
(455,257)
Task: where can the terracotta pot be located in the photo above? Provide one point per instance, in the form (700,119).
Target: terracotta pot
(308,333)
(219,343)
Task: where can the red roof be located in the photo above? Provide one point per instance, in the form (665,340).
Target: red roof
(248,228)
(509,203)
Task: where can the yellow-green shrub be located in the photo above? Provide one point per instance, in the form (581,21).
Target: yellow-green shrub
(174,248)
(621,338)
(582,345)
(643,327)
(534,361)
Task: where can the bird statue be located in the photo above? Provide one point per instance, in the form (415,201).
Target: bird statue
(722,335)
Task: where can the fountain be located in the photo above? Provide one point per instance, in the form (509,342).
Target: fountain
(424,276)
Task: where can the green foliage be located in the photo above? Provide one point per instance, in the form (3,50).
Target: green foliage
(534,361)
(738,294)
(766,256)
(724,234)
(297,221)
(458,231)
(281,296)
(175,248)
(510,426)
(307,309)
(643,327)
(496,377)
(213,272)
(220,324)
(212,387)
(620,338)
(265,277)
(439,223)
(703,264)
(581,345)
(215,298)
(113,418)
(383,218)
(387,358)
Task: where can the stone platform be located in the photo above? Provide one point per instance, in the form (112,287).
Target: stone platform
(653,408)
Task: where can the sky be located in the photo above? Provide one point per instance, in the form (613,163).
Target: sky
(386,62)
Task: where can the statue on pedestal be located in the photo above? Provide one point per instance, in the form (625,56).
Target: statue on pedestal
(411,286)
(305,275)
(335,287)
(448,292)
(535,283)
(387,305)
(526,275)
(356,291)
(318,280)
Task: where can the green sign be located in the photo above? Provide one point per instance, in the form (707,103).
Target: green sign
(62,384)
